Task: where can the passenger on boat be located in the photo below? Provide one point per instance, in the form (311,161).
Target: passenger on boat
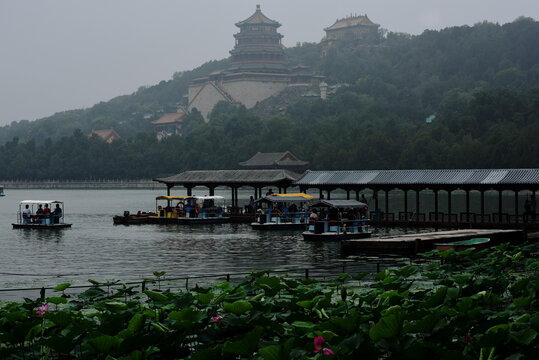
(39,210)
(26,213)
(46,211)
(313,217)
(57,214)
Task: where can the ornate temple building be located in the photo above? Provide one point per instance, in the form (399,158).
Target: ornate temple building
(358,27)
(258,69)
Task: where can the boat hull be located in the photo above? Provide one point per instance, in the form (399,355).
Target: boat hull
(206,220)
(130,220)
(477,244)
(41,226)
(311,236)
(278,226)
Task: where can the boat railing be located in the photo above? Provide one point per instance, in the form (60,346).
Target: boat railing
(45,219)
(280,217)
(337,226)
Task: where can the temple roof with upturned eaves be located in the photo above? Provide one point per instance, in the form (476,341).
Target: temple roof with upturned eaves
(258,19)
(352,21)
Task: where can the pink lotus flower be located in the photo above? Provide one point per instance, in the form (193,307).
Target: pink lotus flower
(217,319)
(319,344)
(41,310)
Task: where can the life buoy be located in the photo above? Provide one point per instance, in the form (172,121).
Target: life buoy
(197,208)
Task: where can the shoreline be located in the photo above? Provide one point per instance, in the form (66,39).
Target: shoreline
(90,184)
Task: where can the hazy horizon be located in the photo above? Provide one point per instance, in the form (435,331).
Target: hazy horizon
(69,54)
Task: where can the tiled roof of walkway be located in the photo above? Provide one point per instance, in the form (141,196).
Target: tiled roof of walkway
(421,177)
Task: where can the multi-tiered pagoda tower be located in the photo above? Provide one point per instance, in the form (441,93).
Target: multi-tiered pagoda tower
(257,71)
(258,46)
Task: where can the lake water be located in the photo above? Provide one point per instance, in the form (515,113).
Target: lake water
(94,248)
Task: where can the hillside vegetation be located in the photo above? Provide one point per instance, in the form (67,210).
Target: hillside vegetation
(480,82)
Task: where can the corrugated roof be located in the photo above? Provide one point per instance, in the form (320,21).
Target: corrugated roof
(231,177)
(338,204)
(428,177)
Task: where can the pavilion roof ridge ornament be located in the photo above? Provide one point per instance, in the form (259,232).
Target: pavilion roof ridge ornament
(258,18)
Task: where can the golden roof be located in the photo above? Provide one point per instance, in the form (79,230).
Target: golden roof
(258,18)
(170,118)
(361,20)
(107,135)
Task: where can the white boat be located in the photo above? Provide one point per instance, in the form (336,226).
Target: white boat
(2,190)
(337,220)
(282,212)
(40,214)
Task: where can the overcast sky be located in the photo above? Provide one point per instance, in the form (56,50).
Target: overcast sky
(61,55)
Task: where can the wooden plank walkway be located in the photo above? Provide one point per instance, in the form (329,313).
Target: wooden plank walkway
(419,242)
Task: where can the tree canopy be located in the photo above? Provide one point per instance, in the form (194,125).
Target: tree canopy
(477,85)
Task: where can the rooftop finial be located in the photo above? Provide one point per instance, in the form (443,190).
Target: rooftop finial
(257,7)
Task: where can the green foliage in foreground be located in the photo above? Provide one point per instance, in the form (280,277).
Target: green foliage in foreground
(472,306)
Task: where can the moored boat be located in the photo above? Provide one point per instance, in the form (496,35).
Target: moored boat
(36,214)
(189,210)
(476,243)
(2,190)
(336,220)
(133,219)
(282,212)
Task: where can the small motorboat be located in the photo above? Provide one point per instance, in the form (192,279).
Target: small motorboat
(476,243)
(36,214)
(133,219)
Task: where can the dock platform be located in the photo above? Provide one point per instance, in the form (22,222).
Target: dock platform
(421,242)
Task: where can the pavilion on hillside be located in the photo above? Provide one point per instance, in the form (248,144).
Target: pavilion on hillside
(108,135)
(276,160)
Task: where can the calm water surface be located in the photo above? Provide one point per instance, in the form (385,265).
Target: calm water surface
(95,248)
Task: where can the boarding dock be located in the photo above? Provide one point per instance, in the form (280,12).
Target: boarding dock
(420,242)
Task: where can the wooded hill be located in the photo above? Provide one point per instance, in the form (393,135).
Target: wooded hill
(480,82)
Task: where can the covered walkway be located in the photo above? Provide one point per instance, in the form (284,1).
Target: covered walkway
(234,179)
(467,180)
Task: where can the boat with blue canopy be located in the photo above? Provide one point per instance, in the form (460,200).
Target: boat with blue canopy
(337,220)
(282,212)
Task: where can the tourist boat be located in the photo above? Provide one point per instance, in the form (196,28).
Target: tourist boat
(281,212)
(36,220)
(133,219)
(476,243)
(189,210)
(337,220)
(2,190)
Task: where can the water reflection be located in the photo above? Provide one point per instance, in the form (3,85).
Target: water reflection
(49,235)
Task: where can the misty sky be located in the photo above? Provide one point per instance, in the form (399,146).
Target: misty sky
(60,55)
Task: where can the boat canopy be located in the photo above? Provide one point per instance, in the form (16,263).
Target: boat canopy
(213,197)
(41,202)
(168,197)
(340,204)
(297,197)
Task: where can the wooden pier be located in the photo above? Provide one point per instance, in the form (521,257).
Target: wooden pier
(421,242)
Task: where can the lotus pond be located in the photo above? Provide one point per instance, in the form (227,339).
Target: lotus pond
(469,305)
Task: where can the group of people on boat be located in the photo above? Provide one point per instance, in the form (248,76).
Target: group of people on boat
(42,213)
